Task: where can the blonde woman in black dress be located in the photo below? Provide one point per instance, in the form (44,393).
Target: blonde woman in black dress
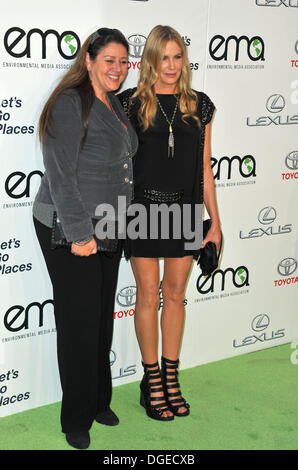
(172,165)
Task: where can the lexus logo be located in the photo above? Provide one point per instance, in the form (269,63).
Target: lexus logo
(275,103)
(126,297)
(260,323)
(267,215)
(136,43)
(113,357)
(292,160)
(287,266)
(277,3)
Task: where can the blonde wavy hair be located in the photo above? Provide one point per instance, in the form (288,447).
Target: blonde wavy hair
(151,58)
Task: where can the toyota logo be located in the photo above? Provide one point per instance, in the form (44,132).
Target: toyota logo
(137,43)
(296,47)
(287,266)
(292,160)
(275,103)
(267,215)
(127,296)
(260,323)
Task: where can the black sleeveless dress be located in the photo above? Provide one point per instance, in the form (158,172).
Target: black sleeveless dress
(162,180)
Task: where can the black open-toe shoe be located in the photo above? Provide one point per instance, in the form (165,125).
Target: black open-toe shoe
(169,373)
(150,385)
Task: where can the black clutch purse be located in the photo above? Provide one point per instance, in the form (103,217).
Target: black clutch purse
(58,239)
(209,257)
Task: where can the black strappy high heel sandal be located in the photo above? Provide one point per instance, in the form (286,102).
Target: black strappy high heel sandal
(169,375)
(149,386)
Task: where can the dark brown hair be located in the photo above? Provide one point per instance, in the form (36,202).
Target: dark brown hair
(78,77)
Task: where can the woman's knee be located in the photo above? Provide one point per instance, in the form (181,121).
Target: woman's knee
(173,292)
(148,296)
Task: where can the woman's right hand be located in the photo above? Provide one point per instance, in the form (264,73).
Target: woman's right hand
(214,235)
(84,250)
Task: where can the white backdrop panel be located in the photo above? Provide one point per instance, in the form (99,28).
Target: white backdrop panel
(250,302)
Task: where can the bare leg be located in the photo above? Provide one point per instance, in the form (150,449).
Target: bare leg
(176,271)
(146,272)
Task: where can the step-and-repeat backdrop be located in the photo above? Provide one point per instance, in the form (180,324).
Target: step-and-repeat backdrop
(244,55)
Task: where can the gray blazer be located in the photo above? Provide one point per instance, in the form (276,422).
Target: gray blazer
(79,177)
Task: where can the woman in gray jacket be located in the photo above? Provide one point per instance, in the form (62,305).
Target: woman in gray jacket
(88,145)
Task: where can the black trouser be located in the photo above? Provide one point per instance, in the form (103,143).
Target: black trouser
(84,292)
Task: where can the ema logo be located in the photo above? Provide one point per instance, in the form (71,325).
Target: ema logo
(221,48)
(239,277)
(245,166)
(18,184)
(17,317)
(18,42)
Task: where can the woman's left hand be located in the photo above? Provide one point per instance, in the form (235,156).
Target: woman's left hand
(84,250)
(214,235)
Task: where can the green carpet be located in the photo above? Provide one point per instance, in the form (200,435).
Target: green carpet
(243,403)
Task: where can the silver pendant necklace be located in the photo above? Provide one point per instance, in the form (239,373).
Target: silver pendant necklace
(171,135)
